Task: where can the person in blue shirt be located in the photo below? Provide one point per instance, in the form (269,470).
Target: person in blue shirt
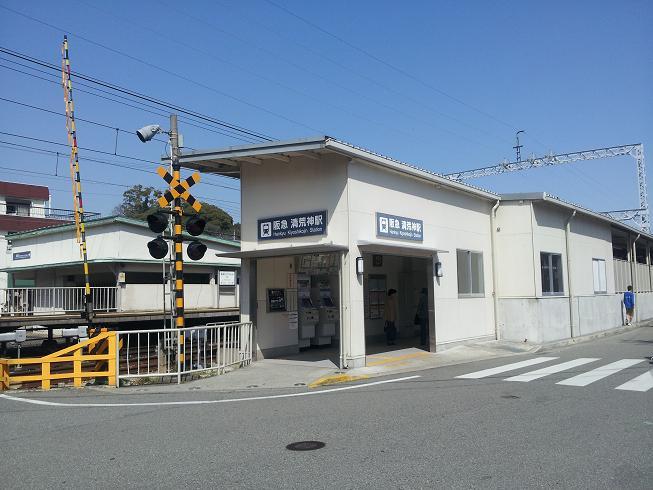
(629,304)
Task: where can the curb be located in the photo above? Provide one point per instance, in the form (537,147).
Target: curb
(333,379)
(592,336)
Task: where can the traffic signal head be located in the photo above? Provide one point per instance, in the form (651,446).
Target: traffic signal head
(158,248)
(195,225)
(196,250)
(157,222)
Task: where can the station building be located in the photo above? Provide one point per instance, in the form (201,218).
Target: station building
(328,228)
(45,274)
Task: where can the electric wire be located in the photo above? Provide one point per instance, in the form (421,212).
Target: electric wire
(115,164)
(167,71)
(134,94)
(321,100)
(419,102)
(226,206)
(389,65)
(146,108)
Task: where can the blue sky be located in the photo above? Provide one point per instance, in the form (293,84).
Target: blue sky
(443,85)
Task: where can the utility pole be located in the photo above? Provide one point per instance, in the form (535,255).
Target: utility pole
(518,147)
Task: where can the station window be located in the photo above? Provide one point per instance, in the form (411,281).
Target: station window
(551,265)
(600,285)
(376,292)
(470,273)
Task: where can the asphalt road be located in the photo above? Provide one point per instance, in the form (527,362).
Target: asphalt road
(431,431)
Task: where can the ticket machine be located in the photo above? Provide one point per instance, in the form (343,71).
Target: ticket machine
(309,315)
(328,313)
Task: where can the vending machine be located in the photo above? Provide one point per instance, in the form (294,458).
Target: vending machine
(328,312)
(309,315)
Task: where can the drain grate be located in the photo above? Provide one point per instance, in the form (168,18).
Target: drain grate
(510,397)
(305,446)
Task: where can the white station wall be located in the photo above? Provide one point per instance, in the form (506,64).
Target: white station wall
(106,242)
(524,230)
(452,220)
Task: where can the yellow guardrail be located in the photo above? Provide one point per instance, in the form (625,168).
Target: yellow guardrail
(73,354)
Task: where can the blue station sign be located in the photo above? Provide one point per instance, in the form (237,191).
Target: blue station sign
(399,227)
(22,255)
(293,225)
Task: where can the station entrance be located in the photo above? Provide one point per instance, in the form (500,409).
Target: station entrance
(298,307)
(407,305)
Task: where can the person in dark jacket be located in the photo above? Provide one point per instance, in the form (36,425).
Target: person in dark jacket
(423,317)
(390,316)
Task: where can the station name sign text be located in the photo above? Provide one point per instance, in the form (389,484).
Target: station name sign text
(292,226)
(400,227)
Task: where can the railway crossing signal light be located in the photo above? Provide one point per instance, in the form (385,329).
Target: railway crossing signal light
(196,250)
(195,225)
(157,222)
(158,248)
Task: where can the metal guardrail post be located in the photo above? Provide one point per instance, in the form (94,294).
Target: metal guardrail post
(180,337)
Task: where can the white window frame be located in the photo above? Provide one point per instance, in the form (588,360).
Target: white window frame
(481,286)
(599,275)
(562,275)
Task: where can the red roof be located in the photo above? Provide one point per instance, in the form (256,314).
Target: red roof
(24,191)
(9,223)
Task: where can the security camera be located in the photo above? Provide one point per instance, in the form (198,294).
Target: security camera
(146,133)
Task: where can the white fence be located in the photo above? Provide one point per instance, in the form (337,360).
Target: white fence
(54,300)
(179,352)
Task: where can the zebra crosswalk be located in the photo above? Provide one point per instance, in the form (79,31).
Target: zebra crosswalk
(642,382)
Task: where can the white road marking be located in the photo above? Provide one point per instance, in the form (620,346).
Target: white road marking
(556,368)
(589,377)
(643,382)
(200,402)
(507,367)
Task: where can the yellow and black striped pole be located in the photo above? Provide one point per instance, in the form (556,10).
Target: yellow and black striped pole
(177,238)
(75,175)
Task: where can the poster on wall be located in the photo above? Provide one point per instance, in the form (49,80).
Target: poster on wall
(293,225)
(399,227)
(227,278)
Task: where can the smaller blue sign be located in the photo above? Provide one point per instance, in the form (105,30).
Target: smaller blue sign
(293,225)
(22,255)
(400,227)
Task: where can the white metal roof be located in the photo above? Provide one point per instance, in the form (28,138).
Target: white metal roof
(227,161)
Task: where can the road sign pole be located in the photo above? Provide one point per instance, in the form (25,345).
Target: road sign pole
(178,238)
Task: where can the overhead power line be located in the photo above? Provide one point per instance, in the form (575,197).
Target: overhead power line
(167,71)
(389,65)
(319,99)
(135,94)
(375,81)
(29,148)
(150,109)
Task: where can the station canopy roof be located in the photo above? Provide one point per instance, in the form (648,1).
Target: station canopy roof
(229,160)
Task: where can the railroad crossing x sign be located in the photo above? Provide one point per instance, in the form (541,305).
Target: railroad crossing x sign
(179,189)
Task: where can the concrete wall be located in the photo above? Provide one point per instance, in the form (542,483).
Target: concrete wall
(524,230)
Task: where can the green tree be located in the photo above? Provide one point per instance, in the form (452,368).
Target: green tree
(139,201)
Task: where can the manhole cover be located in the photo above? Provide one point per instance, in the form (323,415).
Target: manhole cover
(510,397)
(305,446)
